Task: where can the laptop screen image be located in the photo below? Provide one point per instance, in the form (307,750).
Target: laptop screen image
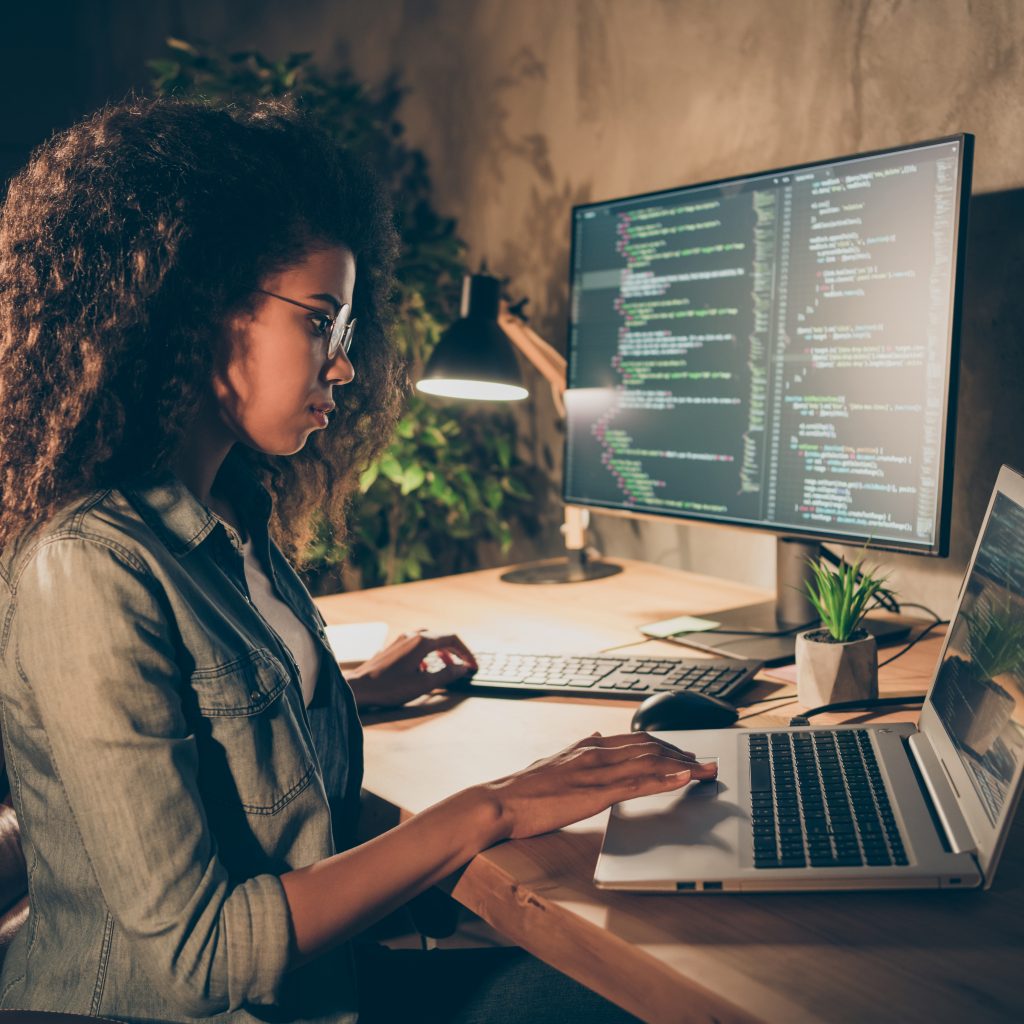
(974,715)
(978,692)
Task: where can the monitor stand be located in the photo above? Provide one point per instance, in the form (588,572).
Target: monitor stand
(775,624)
(577,567)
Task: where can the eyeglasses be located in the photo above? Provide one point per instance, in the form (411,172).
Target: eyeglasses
(338,329)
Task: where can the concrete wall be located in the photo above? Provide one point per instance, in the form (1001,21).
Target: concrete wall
(528,107)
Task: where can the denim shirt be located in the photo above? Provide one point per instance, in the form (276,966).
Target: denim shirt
(164,767)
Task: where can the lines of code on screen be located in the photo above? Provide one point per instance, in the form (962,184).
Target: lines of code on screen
(774,350)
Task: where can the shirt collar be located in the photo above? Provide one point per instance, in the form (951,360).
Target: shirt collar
(181,520)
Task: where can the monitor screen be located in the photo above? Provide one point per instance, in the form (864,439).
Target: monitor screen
(776,351)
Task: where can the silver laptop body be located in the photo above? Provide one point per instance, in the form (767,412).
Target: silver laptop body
(952,783)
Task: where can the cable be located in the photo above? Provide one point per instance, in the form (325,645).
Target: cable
(887,603)
(788,631)
(934,614)
(619,647)
(767,700)
(917,639)
(913,700)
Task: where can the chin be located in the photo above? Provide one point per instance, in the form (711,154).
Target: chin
(280,448)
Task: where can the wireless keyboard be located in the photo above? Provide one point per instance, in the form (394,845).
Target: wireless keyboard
(609,676)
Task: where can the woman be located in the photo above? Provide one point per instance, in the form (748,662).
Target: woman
(175,293)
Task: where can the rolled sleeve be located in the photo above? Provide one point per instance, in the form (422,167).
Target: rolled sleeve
(98,653)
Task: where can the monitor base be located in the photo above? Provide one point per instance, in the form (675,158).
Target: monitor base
(567,570)
(763,619)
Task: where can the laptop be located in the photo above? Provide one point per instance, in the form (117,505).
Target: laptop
(859,807)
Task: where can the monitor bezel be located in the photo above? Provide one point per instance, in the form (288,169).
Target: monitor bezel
(940,544)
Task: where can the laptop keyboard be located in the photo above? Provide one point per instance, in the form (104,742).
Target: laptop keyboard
(610,676)
(818,800)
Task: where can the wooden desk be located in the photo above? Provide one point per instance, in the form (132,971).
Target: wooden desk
(925,957)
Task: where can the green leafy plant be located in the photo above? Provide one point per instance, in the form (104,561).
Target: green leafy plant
(450,478)
(995,637)
(842,596)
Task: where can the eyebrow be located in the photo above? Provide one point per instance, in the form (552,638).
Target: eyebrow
(328,297)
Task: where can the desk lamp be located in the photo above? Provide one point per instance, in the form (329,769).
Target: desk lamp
(474,360)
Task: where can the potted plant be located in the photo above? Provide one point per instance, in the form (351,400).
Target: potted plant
(838,660)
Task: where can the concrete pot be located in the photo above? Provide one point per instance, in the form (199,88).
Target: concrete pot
(827,672)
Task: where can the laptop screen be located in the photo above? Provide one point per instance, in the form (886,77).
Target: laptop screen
(978,693)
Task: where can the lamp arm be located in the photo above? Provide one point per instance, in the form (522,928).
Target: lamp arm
(540,354)
(551,365)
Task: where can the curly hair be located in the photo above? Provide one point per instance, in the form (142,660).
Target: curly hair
(125,245)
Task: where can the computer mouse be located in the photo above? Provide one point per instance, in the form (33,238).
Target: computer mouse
(684,709)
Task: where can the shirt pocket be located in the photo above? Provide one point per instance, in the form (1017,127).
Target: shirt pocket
(256,745)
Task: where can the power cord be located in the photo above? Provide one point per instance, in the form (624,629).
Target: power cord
(619,647)
(917,639)
(788,631)
(767,700)
(884,599)
(913,701)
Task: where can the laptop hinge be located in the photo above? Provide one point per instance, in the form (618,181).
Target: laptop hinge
(943,795)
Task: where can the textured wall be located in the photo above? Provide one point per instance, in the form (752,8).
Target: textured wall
(528,106)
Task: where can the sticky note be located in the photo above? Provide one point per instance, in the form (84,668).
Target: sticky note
(680,624)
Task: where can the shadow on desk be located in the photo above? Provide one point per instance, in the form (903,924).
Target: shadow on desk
(434,704)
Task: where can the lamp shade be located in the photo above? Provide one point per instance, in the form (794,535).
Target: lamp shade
(474,358)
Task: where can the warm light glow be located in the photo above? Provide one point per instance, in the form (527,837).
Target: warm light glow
(480,390)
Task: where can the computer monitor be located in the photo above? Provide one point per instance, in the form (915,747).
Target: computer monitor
(775,352)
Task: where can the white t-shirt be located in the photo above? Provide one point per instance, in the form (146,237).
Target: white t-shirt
(283,621)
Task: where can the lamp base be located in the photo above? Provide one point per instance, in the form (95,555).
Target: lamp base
(575,568)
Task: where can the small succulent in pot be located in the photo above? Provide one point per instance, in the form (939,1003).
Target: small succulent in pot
(839,660)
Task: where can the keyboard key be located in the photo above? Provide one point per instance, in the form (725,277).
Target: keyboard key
(760,776)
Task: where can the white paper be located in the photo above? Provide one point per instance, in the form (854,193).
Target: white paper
(355,642)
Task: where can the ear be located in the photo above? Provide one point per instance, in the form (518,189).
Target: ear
(231,341)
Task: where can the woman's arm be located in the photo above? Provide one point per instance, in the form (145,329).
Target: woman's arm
(97,694)
(339,897)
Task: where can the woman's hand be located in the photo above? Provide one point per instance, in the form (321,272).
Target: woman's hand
(587,777)
(400,673)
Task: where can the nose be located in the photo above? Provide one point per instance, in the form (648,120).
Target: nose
(339,370)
